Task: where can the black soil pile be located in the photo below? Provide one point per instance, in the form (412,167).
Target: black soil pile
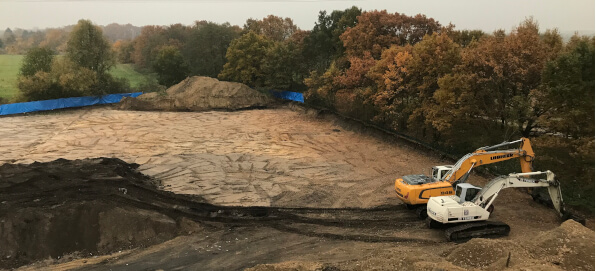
(199,93)
(92,206)
(98,206)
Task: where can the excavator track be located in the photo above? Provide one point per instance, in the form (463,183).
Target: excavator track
(471,230)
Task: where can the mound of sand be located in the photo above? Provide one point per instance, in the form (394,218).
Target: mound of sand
(480,253)
(199,93)
(568,247)
(289,266)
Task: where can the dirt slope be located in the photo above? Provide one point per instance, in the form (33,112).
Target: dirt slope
(199,93)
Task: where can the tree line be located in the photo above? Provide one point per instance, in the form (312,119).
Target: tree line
(19,41)
(453,89)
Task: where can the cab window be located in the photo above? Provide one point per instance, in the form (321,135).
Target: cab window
(458,191)
(471,193)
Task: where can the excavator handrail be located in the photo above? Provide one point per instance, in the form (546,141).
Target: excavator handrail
(500,145)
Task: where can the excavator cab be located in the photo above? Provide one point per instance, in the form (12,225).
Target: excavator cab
(438,172)
(466,192)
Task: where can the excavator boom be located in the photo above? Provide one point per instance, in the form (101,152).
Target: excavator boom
(488,155)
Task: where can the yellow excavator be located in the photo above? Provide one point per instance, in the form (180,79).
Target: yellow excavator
(415,190)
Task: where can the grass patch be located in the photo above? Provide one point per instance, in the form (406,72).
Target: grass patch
(9,70)
(135,78)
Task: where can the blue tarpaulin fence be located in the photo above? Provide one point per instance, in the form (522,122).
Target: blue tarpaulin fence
(288,95)
(18,108)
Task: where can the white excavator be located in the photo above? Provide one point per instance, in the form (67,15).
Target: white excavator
(465,214)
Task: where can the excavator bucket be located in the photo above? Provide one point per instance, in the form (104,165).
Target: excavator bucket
(556,197)
(555,200)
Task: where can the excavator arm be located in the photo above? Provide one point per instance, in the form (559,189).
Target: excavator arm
(488,155)
(489,193)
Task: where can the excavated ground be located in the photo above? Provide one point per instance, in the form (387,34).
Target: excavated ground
(292,190)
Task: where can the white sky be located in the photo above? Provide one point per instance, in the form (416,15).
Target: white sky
(487,15)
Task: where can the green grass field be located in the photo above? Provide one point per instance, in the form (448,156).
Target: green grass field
(10,65)
(134,78)
(9,69)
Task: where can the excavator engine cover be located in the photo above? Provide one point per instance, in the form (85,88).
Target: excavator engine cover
(411,191)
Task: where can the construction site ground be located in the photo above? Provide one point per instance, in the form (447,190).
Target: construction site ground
(325,186)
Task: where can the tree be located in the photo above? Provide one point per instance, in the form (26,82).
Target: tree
(281,64)
(465,37)
(55,39)
(393,97)
(408,78)
(115,32)
(37,59)
(9,37)
(273,27)
(321,89)
(323,44)
(505,71)
(246,60)
(88,48)
(169,66)
(124,50)
(207,45)
(568,91)
(147,45)
(567,95)
(356,75)
(379,30)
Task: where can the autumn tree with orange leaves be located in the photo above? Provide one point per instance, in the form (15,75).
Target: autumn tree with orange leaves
(379,30)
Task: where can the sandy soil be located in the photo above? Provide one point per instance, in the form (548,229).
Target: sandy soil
(271,157)
(277,158)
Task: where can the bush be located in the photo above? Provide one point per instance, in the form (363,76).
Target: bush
(64,80)
(107,84)
(37,59)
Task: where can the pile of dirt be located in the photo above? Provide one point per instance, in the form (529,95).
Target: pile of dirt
(291,266)
(570,246)
(85,206)
(482,253)
(567,247)
(199,93)
(400,258)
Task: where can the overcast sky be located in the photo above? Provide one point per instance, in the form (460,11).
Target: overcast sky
(570,15)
